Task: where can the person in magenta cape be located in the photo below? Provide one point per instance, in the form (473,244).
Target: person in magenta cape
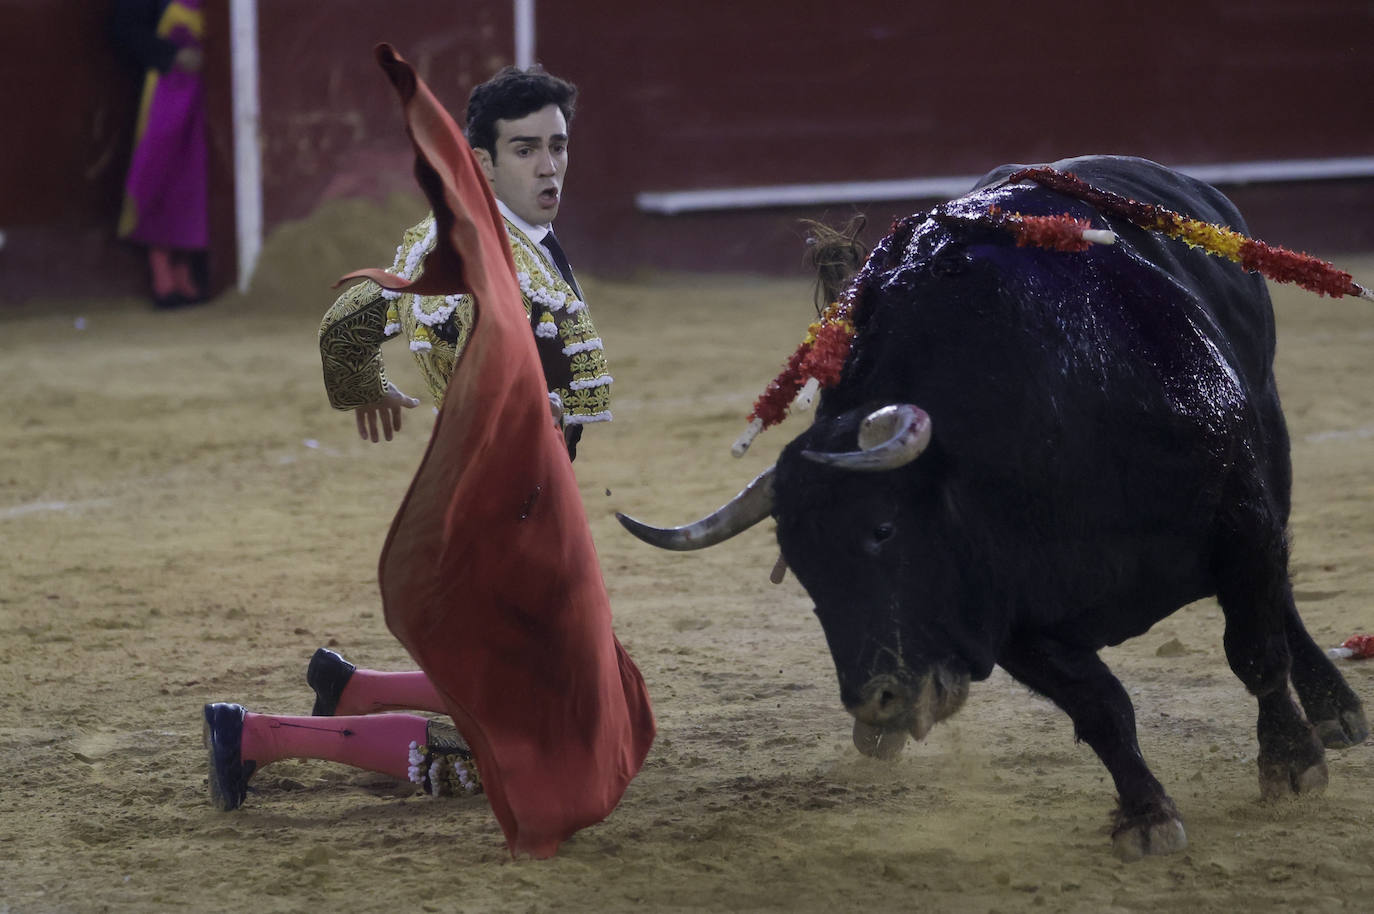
(166,191)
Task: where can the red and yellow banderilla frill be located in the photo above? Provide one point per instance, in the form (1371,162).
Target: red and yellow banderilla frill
(821,356)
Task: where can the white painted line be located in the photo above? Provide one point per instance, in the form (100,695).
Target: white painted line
(671,202)
(34,507)
(1344,434)
(243,43)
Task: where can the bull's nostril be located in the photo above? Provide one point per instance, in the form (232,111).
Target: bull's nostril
(883,699)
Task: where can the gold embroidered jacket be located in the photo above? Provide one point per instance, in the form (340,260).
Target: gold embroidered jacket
(366,315)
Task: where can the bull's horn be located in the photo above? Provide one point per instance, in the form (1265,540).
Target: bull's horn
(890,437)
(743,511)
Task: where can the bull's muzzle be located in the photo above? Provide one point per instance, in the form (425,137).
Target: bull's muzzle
(891,707)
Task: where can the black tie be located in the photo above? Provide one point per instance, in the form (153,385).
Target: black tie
(561,260)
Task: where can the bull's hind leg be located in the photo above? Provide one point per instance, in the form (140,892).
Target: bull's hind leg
(1331,705)
(1255,596)
(1076,679)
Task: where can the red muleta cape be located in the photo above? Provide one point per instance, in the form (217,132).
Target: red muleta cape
(489,576)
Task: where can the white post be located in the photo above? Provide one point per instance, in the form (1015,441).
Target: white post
(243,43)
(524,33)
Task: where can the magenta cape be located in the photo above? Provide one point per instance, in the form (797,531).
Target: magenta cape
(489,576)
(167,187)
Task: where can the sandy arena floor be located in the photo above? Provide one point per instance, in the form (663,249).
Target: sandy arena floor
(185,520)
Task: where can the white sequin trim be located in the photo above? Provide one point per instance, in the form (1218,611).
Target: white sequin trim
(571,419)
(412,260)
(437,771)
(420,345)
(550,299)
(594,382)
(546,296)
(416,759)
(539,262)
(435,784)
(439,315)
(587,346)
(546,329)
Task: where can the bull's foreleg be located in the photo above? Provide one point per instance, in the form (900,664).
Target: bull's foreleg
(1331,705)
(1076,679)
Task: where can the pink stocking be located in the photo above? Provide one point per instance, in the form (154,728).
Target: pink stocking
(160,263)
(377,743)
(181,277)
(370,691)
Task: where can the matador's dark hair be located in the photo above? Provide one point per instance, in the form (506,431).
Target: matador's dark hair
(510,95)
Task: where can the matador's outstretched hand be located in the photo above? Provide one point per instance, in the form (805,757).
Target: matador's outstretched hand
(388,408)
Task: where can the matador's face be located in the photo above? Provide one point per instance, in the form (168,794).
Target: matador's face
(530,165)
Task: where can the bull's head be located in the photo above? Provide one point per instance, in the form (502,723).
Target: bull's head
(849,527)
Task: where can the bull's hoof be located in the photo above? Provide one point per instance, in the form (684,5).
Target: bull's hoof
(1278,779)
(1133,841)
(1153,827)
(1350,730)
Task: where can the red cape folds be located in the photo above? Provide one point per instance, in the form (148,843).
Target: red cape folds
(489,576)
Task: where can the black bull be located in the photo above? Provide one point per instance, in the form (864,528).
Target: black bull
(1100,442)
